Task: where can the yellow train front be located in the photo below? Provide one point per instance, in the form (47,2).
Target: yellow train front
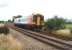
(34,22)
(38,21)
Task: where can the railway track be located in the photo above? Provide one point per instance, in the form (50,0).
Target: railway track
(48,40)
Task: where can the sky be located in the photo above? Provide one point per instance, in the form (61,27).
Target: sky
(49,8)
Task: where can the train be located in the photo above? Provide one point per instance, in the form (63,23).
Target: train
(31,22)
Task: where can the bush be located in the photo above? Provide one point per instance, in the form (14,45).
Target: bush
(55,23)
(4,30)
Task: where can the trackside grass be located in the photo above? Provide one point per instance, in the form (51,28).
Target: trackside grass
(7,42)
(68,26)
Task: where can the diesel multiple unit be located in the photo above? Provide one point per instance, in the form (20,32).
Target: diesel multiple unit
(32,22)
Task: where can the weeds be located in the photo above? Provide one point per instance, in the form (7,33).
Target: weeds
(7,42)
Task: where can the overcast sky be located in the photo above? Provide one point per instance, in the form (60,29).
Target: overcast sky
(49,8)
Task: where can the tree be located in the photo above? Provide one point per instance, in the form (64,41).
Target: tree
(55,23)
(9,20)
(2,21)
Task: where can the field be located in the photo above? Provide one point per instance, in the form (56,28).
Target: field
(65,33)
(68,26)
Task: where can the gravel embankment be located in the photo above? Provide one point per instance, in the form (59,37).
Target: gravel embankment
(29,43)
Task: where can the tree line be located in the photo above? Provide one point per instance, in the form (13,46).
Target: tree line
(56,23)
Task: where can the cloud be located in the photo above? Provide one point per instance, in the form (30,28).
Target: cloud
(4,3)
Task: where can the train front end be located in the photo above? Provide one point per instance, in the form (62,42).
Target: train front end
(38,21)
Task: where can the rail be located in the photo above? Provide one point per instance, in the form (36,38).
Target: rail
(46,39)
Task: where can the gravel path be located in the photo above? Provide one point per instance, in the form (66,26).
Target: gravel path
(29,43)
